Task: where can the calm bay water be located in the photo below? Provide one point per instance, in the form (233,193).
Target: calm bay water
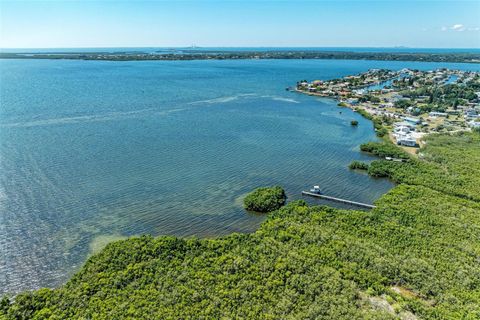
(94,151)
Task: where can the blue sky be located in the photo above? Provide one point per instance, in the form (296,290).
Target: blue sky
(261,23)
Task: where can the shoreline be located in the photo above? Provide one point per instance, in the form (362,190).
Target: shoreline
(410,150)
(407,104)
(254,55)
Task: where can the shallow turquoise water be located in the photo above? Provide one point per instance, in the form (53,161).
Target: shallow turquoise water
(92,151)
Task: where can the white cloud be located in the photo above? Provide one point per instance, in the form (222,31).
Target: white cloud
(458,27)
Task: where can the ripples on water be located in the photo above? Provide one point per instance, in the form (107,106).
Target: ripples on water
(96,151)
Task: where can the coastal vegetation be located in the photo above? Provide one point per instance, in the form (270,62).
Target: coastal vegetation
(235,55)
(358,165)
(384,149)
(379,123)
(447,163)
(414,256)
(364,113)
(265,199)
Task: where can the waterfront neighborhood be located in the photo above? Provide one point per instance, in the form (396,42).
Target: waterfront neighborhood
(407,104)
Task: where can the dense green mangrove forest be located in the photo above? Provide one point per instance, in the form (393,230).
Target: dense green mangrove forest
(265,199)
(416,256)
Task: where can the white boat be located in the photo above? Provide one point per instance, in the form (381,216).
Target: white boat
(315,189)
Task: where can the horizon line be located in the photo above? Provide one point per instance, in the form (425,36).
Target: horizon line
(195,46)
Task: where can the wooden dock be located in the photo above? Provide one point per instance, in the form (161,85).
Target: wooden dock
(353,203)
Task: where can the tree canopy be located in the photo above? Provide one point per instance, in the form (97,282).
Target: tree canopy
(265,199)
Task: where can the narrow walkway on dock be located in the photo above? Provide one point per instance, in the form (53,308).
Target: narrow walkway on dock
(354,203)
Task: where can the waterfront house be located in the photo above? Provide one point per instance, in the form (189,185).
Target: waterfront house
(452,112)
(471,113)
(412,120)
(435,114)
(402,130)
(352,101)
(407,141)
(474,124)
(396,97)
(359,91)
